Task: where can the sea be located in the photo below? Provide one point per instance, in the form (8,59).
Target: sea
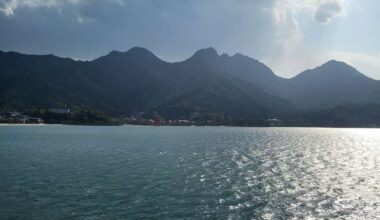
(142,172)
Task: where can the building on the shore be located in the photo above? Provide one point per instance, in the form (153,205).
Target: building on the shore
(17,117)
(35,121)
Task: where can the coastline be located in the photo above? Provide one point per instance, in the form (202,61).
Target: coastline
(21,124)
(215,126)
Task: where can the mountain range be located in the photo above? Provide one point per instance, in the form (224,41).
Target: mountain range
(240,87)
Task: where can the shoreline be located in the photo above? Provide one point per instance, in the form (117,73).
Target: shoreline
(21,124)
(214,126)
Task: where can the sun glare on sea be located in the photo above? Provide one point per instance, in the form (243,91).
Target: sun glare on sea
(366,132)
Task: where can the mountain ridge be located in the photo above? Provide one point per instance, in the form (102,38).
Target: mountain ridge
(113,52)
(138,81)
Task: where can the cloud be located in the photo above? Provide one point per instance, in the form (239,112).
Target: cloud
(269,30)
(328,9)
(85,29)
(69,8)
(288,37)
(322,11)
(83,19)
(288,32)
(291,54)
(8,7)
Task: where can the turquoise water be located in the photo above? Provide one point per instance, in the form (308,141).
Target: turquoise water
(132,172)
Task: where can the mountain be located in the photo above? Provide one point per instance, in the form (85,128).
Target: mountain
(331,84)
(240,66)
(39,81)
(127,83)
(131,82)
(229,95)
(348,115)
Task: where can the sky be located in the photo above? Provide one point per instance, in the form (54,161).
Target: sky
(289,36)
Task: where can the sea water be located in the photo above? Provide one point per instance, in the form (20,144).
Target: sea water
(136,172)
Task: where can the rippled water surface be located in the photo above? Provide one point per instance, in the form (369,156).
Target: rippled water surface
(131,172)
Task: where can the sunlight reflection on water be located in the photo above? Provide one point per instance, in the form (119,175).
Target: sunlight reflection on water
(189,172)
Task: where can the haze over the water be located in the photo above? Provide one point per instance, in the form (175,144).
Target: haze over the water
(287,35)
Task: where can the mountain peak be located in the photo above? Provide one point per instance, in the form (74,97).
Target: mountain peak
(134,51)
(114,53)
(338,66)
(335,63)
(139,50)
(138,54)
(332,70)
(237,55)
(206,53)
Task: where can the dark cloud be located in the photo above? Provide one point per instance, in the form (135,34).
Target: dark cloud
(173,29)
(269,30)
(329,9)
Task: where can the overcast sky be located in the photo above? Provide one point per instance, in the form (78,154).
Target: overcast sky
(287,35)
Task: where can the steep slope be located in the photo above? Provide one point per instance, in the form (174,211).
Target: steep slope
(126,71)
(129,82)
(333,83)
(240,66)
(28,81)
(228,95)
(185,87)
(136,80)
